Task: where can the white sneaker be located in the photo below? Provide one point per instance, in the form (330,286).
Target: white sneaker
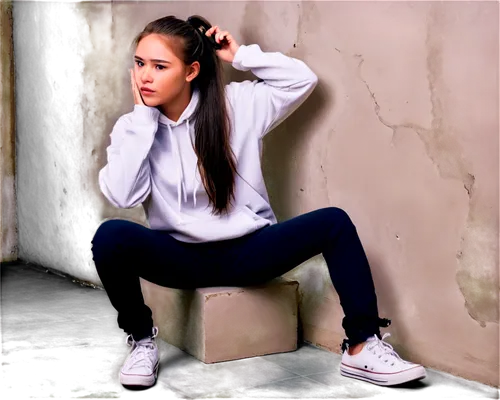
(378,363)
(141,366)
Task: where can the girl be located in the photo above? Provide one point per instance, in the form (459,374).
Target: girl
(190,151)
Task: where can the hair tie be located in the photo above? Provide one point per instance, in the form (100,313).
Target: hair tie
(201,26)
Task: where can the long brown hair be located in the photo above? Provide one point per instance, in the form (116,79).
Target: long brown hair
(216,161)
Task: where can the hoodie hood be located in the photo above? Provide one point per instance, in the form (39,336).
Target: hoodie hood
(186,114)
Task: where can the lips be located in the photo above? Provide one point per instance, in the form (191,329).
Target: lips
(146,90)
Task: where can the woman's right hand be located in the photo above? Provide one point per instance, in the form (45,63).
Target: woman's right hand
(229,47)
(135,90)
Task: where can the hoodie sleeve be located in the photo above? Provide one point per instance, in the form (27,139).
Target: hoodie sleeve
(125,179)
(284,83)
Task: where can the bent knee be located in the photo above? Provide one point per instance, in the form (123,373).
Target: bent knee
(109,233)
(109,236)
(338,216)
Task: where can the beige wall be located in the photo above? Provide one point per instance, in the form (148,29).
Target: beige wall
(402,132)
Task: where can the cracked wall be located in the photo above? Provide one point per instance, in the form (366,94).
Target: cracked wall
(401,132)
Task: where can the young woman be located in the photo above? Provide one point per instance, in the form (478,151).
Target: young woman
(190,151)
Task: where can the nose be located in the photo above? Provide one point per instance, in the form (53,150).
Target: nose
(146,75)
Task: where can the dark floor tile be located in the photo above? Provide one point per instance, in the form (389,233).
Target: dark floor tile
(306,360)
(289,388)
(196,379)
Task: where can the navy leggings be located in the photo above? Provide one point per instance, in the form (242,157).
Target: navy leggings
(123,251)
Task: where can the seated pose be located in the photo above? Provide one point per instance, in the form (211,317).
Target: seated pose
(191,152)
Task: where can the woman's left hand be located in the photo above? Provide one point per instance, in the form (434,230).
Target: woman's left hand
(224,38)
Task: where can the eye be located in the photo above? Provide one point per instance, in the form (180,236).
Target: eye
(139,63)
(160,67)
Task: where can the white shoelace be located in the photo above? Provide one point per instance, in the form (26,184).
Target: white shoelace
(142,351)
(383,349)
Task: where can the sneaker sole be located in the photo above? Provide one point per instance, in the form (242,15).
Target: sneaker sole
(140,380)
(383,379)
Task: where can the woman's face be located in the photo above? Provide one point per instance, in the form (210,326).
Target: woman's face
(158,68)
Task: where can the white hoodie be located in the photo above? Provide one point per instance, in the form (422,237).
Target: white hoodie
(151,158)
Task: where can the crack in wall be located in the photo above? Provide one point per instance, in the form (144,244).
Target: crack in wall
(299,27)
(372,95)
(308,11)
(325,180)
(445,152)
(427,136)
(112,25)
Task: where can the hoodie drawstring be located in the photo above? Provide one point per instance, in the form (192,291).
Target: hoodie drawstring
(181,187)
(196,183)
(180,180)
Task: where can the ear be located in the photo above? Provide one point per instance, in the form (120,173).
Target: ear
(192,71)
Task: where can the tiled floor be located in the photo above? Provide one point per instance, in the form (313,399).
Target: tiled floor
(306,373)
(83,351)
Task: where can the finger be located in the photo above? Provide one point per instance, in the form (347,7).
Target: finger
(220,36)
(132,78)
(135,89)
(142,100)
(224,36)
(138,94)
(212,30)
(132,83)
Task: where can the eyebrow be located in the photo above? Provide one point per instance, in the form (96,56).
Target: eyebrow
(154,60)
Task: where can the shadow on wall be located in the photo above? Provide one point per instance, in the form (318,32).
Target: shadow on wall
(281,151)
(388,308)
(187,322)
(281,158)
(313,276)
(281,145)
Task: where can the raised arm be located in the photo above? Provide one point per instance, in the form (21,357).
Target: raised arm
(283,86)
(284,82)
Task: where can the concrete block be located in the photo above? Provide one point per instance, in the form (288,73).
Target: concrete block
(227,323)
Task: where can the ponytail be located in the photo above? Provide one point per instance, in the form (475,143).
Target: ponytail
(215,158)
